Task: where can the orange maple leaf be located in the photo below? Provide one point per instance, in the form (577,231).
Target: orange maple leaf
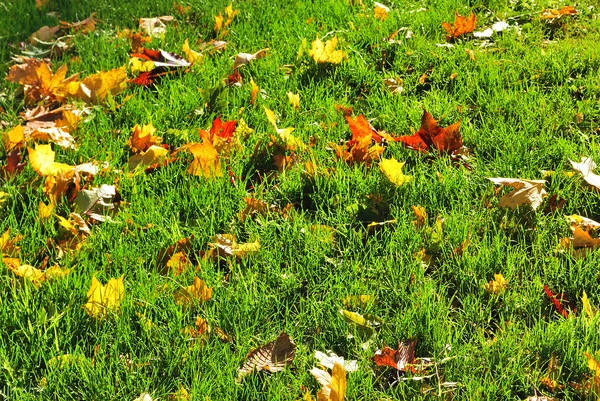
(206,159)
(141,138)
(38,81)
(432,136)
(461,26)
(399,359)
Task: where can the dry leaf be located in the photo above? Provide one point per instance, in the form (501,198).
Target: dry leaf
(398,359)
(245,58)
(174,258)
(294,99)
(103,299)
(152,156)
(461,26)
(581,239)
(206,159)
(224,245)
(583,222)
(333,386)
(325,52)
(271,357)
(432,136)
(496,286)
(552,15)
(392,169)
(96,203)
(155,27)
(586,168)
(193,294)
(380,11)
(395,85)
(526,192)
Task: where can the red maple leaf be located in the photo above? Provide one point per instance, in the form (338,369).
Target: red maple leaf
(399,359)
(432,136)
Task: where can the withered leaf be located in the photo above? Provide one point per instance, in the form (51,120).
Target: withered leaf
(399,359)
(432,136)
(245,58)
(461,26)
(271,357)
(193,294)
(526,192)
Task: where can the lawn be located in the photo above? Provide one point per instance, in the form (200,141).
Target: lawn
(214,192)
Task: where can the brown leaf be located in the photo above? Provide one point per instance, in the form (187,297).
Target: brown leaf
(271,357)
(245,58)
(526,192)
(174,258)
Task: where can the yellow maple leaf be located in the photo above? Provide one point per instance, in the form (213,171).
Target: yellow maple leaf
(294,99)
(206,159)
(381,11)
(14,137)
(197,292)
(39,83)
(142,138)
(97,87)
(153,155)
(325,52)
(191,55)
(392,169)
(42,161)
(496,286)
(333,385)
(103,299)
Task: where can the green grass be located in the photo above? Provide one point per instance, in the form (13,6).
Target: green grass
(517,103)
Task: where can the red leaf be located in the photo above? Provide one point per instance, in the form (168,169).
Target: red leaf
(223,130)
(397,359)
(431,135)
(555,302)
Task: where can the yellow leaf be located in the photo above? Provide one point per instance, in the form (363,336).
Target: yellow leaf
(526,192)
(28,272)
(380,12)
(338,383)
(45,211)
(325,52)
(285,134)
(392,169)
(191,55)
(218,22)
(254,91)
(142,138)
(139,65)
(197,292)
(154,154)
(42,161)
(206,159)
(294,99)
(7,245)
(589,309)
(103,299)
(13,137)
(496,286)
(97,87)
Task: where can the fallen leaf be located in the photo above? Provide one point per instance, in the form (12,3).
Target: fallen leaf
(200,329)
(581,239)
(271,357)
(589,309)
(365,325)
(180,395)
(552,15)
(52,124)
(497,286)
(222,22)
(193,294)
(8,245)
(27,272)
(206,159)
(223,136)
(224,245)
(432,136)
(294,100)
(104,299)
(191,55)
(38,81)
(594,381)
(392,169)
(462,25)
(526,192)
(586,168)
(97,203)
(421,216)
(42,161)
(142,138)
(380,11)
(154,155)
(551,380)
(170,259)
(330,359)
(245,58)
(556,302)
(394,85)
(155,27)
(325,52)
(399,359)
(583,222)
(333,386)
(156,64)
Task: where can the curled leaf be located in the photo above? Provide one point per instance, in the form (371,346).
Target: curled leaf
(272,357)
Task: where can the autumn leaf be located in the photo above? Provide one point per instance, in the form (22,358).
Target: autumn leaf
(13,137)
(432,136)
(462,25)
(285,134)
(223,21)
(222,135)
(261,208)
(193,294)
(97,202)
(155,64)
(583,222)
(51,124)
(556,301)
(399,359)
(365,324)
(42,161)
(174,258)
(526,192)
(153,156)
(586,168)
(8,245)
(552,15)
(200,329)
(589,309)
(155,27)
(333,385)
(272,357)
(594,381)
(581,239)
(330,359)
(380,11)
(191,55)
(206,159)
(294,100)
(325,52)
(245,58)
(497,286)
(224,245)
(392,169)
(420,215)
(104,299)
(253,92)
(39,82)
(97,87)
(142,138)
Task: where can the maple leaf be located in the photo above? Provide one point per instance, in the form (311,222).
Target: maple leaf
(42,161)
(154,155)
(104,299)
(97,87)
(222,22)
(155,27)
(380,11)
(392,169)
(221,136)
(200,329)
(272,357)
(97,202)
(432,136)
(173,258)
(581,239)
(421,216)
(54,125)
(333,385)
(325,52)
(399,359)
(142,138)
(193,294)
(294,100)
(253,92)
(461,26)
(33,274)
(245,58)
(206,159)
(38,81)
(285,134)
(259,207)
(552,15)
(496,286)
(137,39)
(191,55)
(553,375)
(526,192)
(329,360)
(556,301)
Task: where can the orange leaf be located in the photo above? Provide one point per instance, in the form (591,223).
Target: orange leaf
(206,160)
(397,359)
(461,26)
(195,293)
(142,138)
